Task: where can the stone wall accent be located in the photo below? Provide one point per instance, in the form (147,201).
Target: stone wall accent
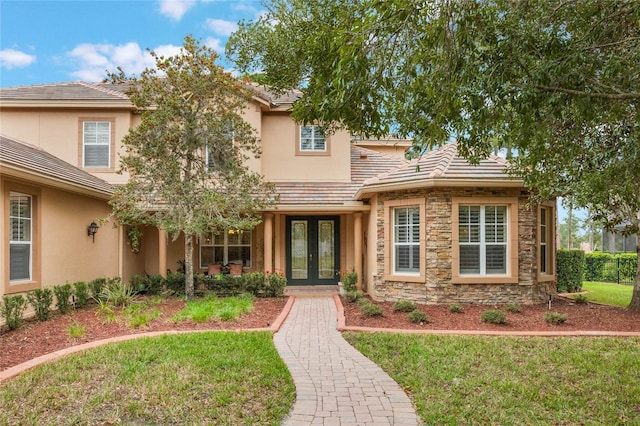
(438,288)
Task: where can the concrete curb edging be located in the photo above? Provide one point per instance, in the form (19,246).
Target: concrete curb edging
(20,368)
(341,326)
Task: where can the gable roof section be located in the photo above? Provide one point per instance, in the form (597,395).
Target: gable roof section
(31,163)
(74,94)
(365,164)
(442,167)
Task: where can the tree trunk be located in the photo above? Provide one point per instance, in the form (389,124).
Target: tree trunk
(188,267)
(635,297)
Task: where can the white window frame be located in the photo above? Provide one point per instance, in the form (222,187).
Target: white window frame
(20,241)
(98,142)
(209,241)
(413,213)
(482,242)
(312,142)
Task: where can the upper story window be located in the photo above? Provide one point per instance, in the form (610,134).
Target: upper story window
(483,236)
(312,139)
(406,239)
(20,238)
(96,144)
(220,152)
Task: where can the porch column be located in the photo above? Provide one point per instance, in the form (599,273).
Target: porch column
(162,252)
(357,246)
(268,242)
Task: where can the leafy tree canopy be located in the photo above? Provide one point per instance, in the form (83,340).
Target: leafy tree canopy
(557,81)
(186,158)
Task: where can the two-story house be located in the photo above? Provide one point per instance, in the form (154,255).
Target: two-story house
(436,229)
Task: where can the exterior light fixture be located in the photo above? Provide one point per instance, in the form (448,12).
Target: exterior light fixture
(92,229)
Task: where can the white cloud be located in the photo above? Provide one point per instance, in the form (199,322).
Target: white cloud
(92,61)
(215,44)
(221,27)
(175,9)
(11,58)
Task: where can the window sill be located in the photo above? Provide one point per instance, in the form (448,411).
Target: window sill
(484,279)
(546,278)
(412,278)
(21,286)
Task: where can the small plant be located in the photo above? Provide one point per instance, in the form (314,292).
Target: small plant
(277,282)
(138,283)
(104,310)
(118,293)
(63,297)
(455,309)
(11,309)
(81,292)
(494,316)
(513,308)
(353,296)
(418,317)
(370,309)
(96,287)
(554,317)
(581,299)
(41,300)
(75,330)
(349,280)
(404,306)
(155,283)
(175,283)
(143,317)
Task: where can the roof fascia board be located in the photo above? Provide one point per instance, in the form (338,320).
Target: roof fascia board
(93,103)
(439,183)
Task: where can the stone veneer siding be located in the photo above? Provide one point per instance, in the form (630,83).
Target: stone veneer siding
(438,288)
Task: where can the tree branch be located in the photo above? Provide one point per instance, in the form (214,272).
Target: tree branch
(583,94)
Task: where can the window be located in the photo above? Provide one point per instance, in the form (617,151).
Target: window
(226,247)
(546,241)
(96,144)
(544,237)
(20,248)
(312,139)
(406,239)
(482,232)
(221,152)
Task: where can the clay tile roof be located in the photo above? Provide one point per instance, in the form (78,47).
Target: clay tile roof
(78,90)
(444,163)
(365,163)
(34,160)
(283,99)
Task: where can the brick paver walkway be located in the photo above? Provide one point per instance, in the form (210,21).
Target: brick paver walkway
(335,384)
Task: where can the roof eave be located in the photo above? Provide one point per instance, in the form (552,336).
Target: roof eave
(441,183)
(69,103)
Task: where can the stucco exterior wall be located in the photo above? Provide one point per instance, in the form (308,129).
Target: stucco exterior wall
(438,287)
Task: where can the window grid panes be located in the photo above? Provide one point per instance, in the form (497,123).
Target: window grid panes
(224,248)
(406,239)
(482,232)
(96,142)
(312,138)
(543,240)
(20,223)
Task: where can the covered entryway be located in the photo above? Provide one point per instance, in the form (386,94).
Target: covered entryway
(313,250)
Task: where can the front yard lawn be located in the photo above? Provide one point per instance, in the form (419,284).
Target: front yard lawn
(608,293)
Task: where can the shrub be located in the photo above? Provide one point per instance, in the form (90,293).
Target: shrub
(175,283)
(117,293)
(370,309)
(494,316)
(96,287)
(277,283)
(581,299)
(512,307)
(41,300)
(417,316)
(569,270)
(155,283)
(254,283)
(138,283)
(555,317)
(81,292)
(63,295)
(455,309)
(349,280)
(354,296)
(404,306)
(12,308)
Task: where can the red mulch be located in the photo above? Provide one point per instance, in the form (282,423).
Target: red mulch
(36,338)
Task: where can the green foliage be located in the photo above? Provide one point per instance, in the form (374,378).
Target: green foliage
(349,280)
(608,267)
(259,284)
(494,316)
(75,330)
(608,294)
(404,306)
(138,283)
(11,309)
(41,300)
(581,299)
(139,315)
(369,309)
(96,287)
(175,283)
(106,312)
(154,284)
(118,293)
(354,296)
(455,309)
(81,293)
(555,317)
(512,307)
(418,317)
(191,124)
(569,270)
(212,307)
(63,295)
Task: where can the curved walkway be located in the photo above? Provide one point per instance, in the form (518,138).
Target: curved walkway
(335,384)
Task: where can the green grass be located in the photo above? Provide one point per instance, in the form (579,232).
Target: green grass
(465,380)
(201,378)
(211,307)
(607,293)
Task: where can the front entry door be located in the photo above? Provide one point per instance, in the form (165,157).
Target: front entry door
(313,250)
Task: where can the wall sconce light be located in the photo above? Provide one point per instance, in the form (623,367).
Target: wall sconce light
(91,230)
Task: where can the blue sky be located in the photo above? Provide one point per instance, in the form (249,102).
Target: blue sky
(48,41)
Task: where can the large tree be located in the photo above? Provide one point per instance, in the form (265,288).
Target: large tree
(186,158)
(557,82)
